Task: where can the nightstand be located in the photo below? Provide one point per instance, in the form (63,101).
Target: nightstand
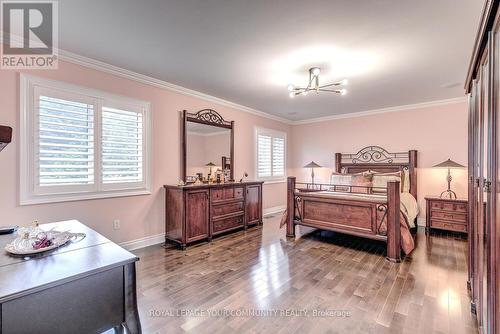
(446,214)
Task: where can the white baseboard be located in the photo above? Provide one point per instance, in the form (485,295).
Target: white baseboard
(421,221)
(143,242)
(274,209)
(160,238)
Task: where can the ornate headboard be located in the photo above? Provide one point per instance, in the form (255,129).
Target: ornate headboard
(379,159)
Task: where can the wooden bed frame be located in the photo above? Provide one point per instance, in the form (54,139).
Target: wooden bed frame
(355,216)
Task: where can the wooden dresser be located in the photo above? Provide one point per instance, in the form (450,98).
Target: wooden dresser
(201,212)
(446,214)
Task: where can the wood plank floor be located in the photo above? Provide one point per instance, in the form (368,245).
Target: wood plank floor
(344,276)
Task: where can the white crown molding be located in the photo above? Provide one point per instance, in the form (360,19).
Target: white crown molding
(124,73)
(383,110)
(121,72)
(118,71)
(127,74)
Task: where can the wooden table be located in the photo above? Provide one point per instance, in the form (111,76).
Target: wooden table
(83,287)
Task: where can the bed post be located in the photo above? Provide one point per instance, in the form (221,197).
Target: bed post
(393,223)
(290,207)
(338,162)
(412,169)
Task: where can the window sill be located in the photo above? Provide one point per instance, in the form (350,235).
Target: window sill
(274,181)
(45,199)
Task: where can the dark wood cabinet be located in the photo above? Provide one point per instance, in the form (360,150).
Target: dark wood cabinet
(446,214)
(253,204)
(483,89)
(197,214)
(201,212)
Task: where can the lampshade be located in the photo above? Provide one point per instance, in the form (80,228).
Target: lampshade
(312,164)
(210,164)
(448,164)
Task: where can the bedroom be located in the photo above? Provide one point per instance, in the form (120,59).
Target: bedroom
(248,167)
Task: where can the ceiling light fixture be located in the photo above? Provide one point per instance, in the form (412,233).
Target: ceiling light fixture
(336,87)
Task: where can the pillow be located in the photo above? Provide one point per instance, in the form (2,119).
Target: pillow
(405,187)
(344,172)
(340,179)
(367,174)
(363,183)
(405,181)
(380,181)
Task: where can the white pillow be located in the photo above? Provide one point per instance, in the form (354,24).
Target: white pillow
(380,181)
(339,179)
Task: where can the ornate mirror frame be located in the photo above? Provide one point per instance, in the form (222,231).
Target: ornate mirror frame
(208,117)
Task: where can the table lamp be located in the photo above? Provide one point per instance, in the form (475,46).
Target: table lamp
(312,165)
(449,164)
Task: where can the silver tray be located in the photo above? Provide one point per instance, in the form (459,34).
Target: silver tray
(23,244)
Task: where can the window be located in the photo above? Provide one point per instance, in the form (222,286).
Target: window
(78,143)
(270,151)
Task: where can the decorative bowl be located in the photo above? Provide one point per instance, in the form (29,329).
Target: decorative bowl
(27,240)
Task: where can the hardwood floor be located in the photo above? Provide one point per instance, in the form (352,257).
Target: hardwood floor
(261,270)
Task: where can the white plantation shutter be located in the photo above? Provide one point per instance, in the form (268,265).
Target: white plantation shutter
(78,143)
(270,154)
(65,137)
(122,146)
(264,156)
(278,156)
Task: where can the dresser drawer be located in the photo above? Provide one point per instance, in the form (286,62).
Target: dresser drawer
(224,209)
(238,192)
(448,206)
(452,216)
(217,194)
(227,224)
(227,193)
(230,193)
(448,226)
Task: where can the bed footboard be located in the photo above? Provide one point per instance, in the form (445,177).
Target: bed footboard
(360,217)
(393,222)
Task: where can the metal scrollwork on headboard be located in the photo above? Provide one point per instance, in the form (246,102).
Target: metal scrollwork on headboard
(375,154)
(208,116)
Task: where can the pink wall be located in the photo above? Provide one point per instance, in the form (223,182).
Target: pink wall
(140,216)
(437,133)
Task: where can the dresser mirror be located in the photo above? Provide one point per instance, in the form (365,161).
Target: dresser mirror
(208,147)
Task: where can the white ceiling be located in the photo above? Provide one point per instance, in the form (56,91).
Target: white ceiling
(394,52)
